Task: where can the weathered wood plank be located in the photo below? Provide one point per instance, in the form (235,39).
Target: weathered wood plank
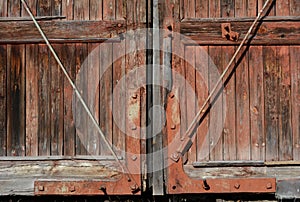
(229,132)
(227,8)
(81,9)
(242,109)
(121,9)
(96,9)
(261,3)
(33,7)
(257,123)
(14,8)
(67,9)
(202,90)
(81,116)
(44,100)
(295,99)
(3,97)
(190,84)
(32,100)
(215,69)
(57,106)
(43,7)
(16,100)
(271,89)
(189,9)
(285,110)
(60,31)
(251,8)
(68,56)
(270,32)
(105,95)
(294,7)
(202,9)
(109,10)
(214,8)
(56,7)
(3,8)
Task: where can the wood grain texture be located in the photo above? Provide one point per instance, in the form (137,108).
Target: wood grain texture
(56,106)
(14,8)
(294,8)
(56,7)
(43,7)
(16,100)
(228,8)
(3,97)
(67,9)
(256,75)
(32,100)
(271,89)
(230,144)
(96,9)
(3,8)
(81,9)
(214,8)
(109,10)
(295,99)
(202,10)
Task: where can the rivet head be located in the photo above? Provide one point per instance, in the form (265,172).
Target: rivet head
(41,188)
(72,189)
(134,157)
(237,185)
(173,127)
(269,185)
(102,188)
(134,96)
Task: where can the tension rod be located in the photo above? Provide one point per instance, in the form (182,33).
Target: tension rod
(187,141)
(88,111)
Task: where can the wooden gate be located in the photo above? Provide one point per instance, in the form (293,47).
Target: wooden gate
(248,137)
(48,143)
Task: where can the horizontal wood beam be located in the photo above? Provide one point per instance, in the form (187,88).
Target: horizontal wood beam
(270,31)
(61,31)
(38,18)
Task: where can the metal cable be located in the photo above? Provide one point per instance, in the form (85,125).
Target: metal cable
(213,91)
(123,167)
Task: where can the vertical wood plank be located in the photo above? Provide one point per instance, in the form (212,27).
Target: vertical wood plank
(68,57)
(256,103)
(67,9)
(260,4)
(227,7)
(57,104)
(3,8)
(32,100)
(3,106)
(294,7)
(202,9)
(202,67)
(44,101)
(229,111)
(251,8)
(33,7)
(81,9)
(241,8)
(44,8)
(81,116)
(214,9)
(14,8)
(105,95)
(121,9)
(109,12)
(283,8)
(285,125)
(216,140)
(295,91)
(93,140)
(56,7)
(96,9)
(271,89)
(189,9)
(16,100)
(190,77)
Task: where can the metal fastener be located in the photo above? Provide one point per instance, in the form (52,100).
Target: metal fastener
(41,188)
(175,155)
(134,187)
(134,96)
(237,185)
(134,157)
(205,185)
(72,189)
(173,127)
(171,95)
(102,188)
(269,185)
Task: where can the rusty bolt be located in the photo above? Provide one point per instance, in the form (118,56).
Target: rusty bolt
(119,25)
(102,188)
(237,185)
(133,127)
(173,127)
(134,187)
(41,188)
(134,157)
(72,188)
(134,96)
(269,185)
(205,185)
(171,95)
(175,156)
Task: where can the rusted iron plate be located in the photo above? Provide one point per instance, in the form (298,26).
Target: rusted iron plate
(121,187)
(288,188)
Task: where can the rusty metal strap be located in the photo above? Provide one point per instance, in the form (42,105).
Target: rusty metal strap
(187,140)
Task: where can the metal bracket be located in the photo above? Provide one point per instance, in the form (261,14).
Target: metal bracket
(228,33)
